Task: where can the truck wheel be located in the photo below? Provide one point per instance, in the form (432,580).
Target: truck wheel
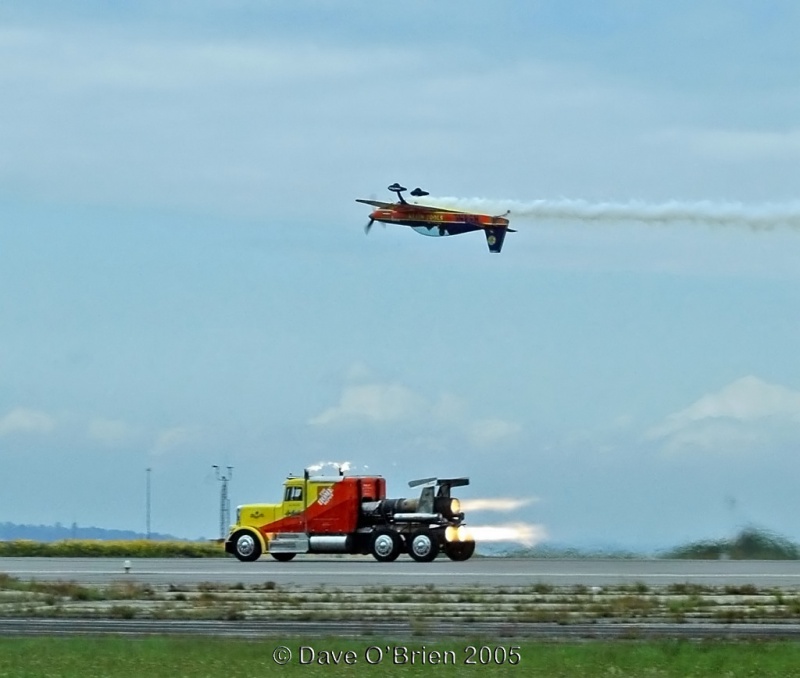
(282,557)
(386,545)
(423,546)
(246,546)
(459,550)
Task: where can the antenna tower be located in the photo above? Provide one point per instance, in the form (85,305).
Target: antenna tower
(224,501)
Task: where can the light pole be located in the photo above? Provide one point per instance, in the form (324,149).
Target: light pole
(147,504)
(224,502)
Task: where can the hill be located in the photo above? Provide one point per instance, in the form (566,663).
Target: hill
(59,532)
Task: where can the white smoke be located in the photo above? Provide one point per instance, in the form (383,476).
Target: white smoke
(755,216)
(343,466)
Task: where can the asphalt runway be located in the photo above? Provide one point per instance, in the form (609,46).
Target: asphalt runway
(264,630)
(309,571)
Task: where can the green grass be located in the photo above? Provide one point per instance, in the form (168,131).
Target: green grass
(96,548)
(156,657)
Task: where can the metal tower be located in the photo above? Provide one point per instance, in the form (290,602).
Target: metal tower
(224,501)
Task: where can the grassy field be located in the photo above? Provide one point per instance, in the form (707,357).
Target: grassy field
(196,658)
(96,548)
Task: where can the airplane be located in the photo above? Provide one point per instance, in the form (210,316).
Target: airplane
(435,221)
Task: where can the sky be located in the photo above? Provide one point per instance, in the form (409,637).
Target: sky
(185,279)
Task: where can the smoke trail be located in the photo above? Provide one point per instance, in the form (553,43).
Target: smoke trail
(755,216)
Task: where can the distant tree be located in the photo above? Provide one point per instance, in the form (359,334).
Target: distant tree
(752,543)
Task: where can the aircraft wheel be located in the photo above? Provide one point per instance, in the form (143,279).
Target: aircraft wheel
(283,557)
(459,550)
(423,546)
(246,546)
(386,545)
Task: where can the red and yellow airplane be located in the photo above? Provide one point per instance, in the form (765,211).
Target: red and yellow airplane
(436,221)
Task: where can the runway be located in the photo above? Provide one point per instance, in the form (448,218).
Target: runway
(492,597)
(265,630)
(360,572)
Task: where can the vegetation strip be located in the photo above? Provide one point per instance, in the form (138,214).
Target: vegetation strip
(331,657)
(422,605)
(751,543)
(96,548)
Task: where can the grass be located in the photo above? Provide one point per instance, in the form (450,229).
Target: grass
(112,657)
(97,548)
(632,602)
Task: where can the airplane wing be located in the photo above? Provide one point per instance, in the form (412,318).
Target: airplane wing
(376,203)
(416,206)
(495,238)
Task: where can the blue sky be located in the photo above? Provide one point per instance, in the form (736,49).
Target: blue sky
(186,282)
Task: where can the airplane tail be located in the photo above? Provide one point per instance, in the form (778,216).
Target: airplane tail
(495,238)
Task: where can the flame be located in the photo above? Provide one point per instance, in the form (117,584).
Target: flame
(502,504)
(522,533)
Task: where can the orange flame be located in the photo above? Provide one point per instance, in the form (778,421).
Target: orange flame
(522,533)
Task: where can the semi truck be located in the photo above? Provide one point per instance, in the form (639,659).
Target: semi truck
(350,514)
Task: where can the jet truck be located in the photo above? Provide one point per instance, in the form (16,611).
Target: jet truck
(351,514)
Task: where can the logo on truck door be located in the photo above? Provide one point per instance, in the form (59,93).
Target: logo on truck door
(325,495)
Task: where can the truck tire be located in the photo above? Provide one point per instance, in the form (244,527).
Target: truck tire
(423,546)
(246,546)
(459,550)
(386,545)
(283,557)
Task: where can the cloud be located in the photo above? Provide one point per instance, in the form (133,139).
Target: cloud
(110,432)
(22,420)
(133,119)
(486,432)
(433,419)
(743,414)
(746,399)
(172,439)
(379,403)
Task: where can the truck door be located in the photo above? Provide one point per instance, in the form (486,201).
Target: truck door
(293,508)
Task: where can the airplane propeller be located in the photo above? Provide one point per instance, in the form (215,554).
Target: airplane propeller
(369,226)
